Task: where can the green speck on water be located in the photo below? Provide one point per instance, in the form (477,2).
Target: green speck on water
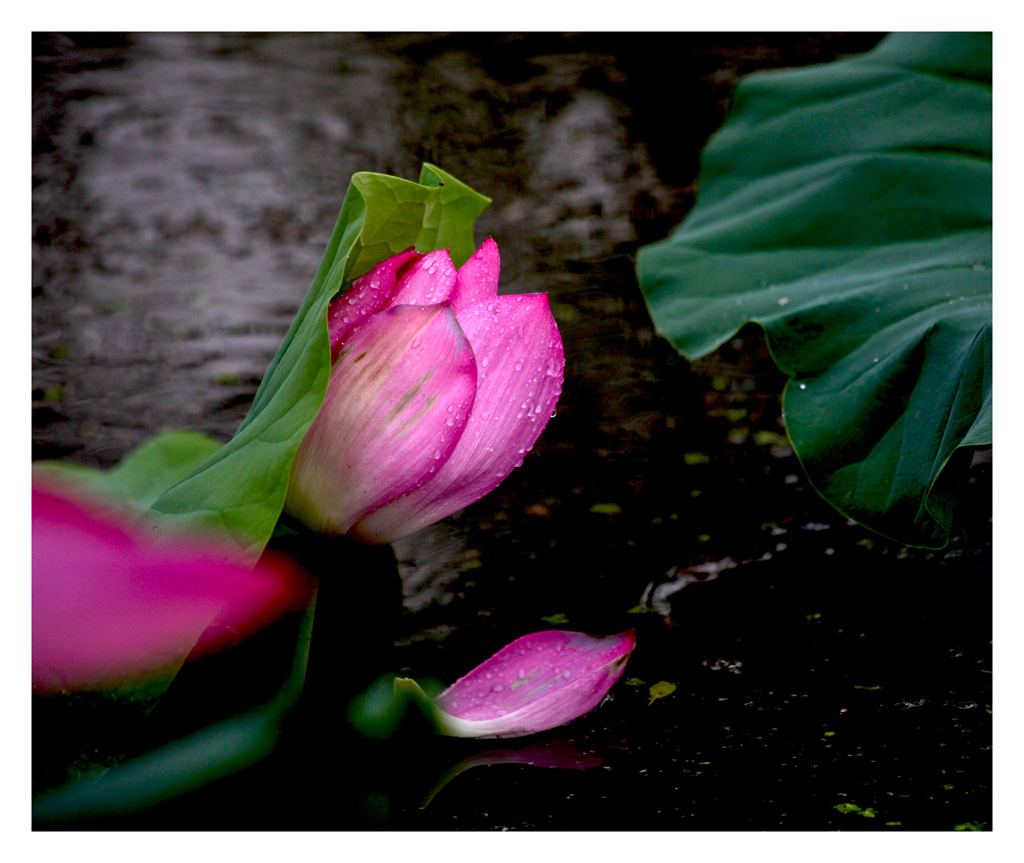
(556,619)
(770,438)
(659,690)
(847,808)
(970,825)
(606,508)
(692,458)
(635,681)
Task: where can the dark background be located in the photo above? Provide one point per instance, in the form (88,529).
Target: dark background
(184,187)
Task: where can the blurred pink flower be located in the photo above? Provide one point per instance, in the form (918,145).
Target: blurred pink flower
(438,390)
(112,604)
(537,682)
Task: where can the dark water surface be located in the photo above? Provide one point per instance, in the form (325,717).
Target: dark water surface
(185,186)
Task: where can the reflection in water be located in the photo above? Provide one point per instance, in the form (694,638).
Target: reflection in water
(559,754)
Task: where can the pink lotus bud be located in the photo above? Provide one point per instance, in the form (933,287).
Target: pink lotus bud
(537,682)
(112,605)
(439,387)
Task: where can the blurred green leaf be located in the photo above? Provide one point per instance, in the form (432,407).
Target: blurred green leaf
(240,490)
(184,765)
(142,475)
(384,708)
(847,209)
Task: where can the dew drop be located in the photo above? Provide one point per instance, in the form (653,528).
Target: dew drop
(803,386)
(497,688)
(782,301)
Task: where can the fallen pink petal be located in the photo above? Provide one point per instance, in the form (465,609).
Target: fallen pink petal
(112,605)
(439,388)
(537,682)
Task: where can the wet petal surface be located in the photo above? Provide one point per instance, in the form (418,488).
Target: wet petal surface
(399,397)
(520,367)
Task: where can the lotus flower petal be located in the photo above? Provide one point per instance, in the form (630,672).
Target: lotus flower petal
(399,398)
(111,604)
(520,365)
(425,281)
(478,277)
(537,682)
(368,294)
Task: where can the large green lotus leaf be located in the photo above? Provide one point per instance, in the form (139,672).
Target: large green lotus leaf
(240,490)
(846,208)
